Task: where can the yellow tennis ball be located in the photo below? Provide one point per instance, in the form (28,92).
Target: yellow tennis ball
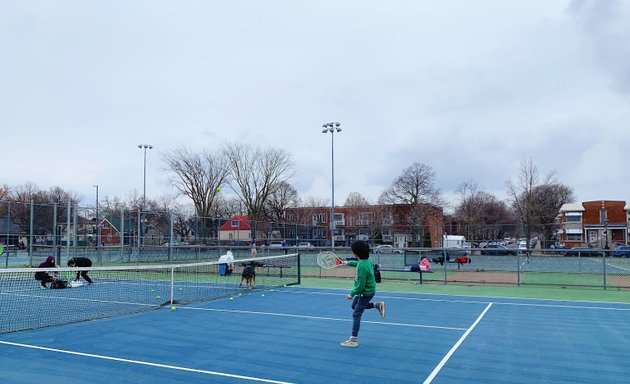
(263,295)
(173,308)
(157,297)
(231,298)
(240,294)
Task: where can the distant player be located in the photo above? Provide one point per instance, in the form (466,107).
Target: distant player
(81,262)
(253,248)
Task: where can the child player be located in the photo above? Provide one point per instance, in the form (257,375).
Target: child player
(363,291)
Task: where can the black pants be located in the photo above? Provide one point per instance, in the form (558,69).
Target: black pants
(85,276)
(44,278)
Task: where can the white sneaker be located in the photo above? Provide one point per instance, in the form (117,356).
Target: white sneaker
(350,343)
(380,306)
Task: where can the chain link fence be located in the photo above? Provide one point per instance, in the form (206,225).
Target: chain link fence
(30,232)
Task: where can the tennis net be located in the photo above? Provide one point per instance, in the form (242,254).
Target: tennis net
(117,291)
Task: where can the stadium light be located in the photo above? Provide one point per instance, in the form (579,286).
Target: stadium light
(144,183)
(98,230)
(332,128)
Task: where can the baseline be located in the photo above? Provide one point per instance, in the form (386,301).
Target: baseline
(146,363)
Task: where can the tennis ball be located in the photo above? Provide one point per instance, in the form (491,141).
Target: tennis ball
(157,297)
(218,189)
(231,298)
(153,290)
(173,308)
(263,295)
(181,289)
(240,294)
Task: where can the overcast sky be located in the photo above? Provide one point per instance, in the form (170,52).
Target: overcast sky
(470,88)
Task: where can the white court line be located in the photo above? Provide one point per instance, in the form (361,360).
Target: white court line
(138,362)
(438,368)
(320,318)
(485,302)
(608,264)
(68,298)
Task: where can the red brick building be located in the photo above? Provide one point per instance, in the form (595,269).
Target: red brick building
(397,224)
(601,223)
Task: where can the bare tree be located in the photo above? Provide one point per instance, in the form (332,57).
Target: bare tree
(522,195)
(414,188)
(5,192)
(5,195)
(536,202)
(314,202)
(485,216)
(111,206)
(284,196)
(256,173)
(356,199)
(21,211)
(548,199)
(198,176)
(470,208)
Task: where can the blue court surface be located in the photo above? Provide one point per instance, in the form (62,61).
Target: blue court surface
(292,335)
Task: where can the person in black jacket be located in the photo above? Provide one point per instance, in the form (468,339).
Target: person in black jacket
(46,276)
(81,262)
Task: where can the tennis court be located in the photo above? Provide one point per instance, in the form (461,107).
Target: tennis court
(292,335)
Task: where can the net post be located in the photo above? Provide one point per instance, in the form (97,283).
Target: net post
(172,283)
(299,272)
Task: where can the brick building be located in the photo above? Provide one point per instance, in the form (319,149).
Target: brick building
(600,223)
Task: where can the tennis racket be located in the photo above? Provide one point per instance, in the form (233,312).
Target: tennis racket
(328,260)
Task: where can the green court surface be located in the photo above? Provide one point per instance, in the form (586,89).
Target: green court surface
(555,293)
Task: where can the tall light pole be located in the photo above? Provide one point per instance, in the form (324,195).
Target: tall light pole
(98,230)
(332,128)
(144,185)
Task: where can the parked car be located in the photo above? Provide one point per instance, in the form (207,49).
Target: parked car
(583,252)
(276,244)
(621,251)
(497,250)
(386,248)
(305,245)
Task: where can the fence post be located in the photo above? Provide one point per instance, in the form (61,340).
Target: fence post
(519,257)
(604,267)
(122,234)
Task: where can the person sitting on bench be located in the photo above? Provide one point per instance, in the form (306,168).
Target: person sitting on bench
(424,265)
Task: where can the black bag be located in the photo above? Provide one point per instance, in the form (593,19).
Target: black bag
(377,273)
(59,284)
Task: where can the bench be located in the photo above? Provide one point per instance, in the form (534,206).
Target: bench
(407,269)
(256,264)
(460,261)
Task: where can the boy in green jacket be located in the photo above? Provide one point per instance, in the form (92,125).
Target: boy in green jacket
(363,291)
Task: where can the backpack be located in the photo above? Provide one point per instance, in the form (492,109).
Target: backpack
(425,265)
(377,273)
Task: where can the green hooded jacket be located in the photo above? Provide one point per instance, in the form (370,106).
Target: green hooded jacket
(364,277)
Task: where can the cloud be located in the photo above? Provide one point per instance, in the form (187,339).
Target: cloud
(605,33)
